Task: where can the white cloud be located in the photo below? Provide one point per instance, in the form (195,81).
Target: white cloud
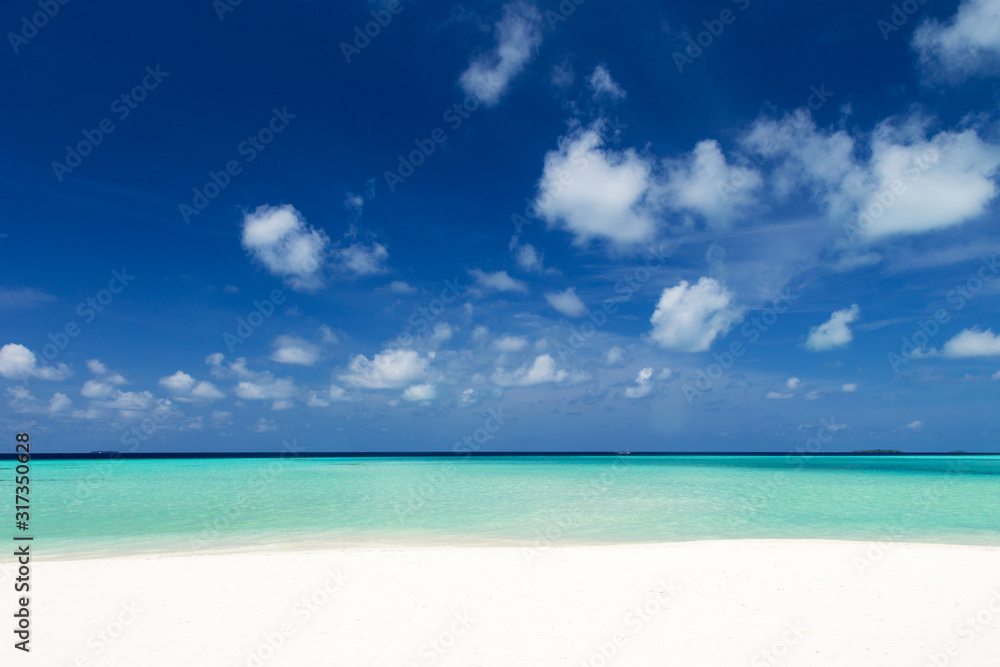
(419,392)
(401,287)
(967,44)
(185,388)
(96,389)
(528,258)
(643,387)
(603,85)
(267,388)
(972,343)
(22,400)
(497,280)
(849,388)
(19,363)
(805,156)
(813,395)
(518,35)
(688,318)
(390,369)
(442,332)
(567,302)
(915,425)
(835,332)
(294,350)
(596,193)
(264,425)
(363,259)
(614,355)
(96,367)
(792,383)
(542,371)
(921,185)
(705,184)
(279,238)
(774,395)
(59,402)
(909,185)
(510,343)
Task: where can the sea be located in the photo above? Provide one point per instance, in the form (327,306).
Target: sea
(95,508)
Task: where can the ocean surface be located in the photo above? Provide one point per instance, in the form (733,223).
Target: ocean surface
(99,507)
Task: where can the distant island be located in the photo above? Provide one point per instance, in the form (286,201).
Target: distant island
(878,451)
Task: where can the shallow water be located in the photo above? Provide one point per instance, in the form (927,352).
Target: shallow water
(90,508)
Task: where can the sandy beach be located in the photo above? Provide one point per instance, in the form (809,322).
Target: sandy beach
(762,602)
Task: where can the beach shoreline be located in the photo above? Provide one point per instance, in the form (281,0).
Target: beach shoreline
(716,602)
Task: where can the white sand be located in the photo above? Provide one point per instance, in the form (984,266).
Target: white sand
(463,606)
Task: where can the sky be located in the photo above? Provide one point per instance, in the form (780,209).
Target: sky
(500,226)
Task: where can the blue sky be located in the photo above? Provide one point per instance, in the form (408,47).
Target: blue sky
(524,226)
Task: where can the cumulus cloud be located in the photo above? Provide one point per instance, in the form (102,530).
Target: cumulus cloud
(688,318)
(967,44)
(614,355)
(643,387)
(294,350)
(518,36)
(792,383)
(596,193)
(911,183)
(775,395)
(921,185)
(510,343)
(419,392)
(279,238)
(266,387)
(835,332)
(972,343)
(705,184)
(528,258)
(567,302)
(499,281)
(19,363)
(96,367)
(183,387)
(849,388)
(915,425)
(542,371)
(362,259)
(389,369)
(22,400)
(603,85)
(401,287)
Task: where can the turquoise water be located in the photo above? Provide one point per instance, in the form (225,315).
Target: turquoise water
(82,508)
